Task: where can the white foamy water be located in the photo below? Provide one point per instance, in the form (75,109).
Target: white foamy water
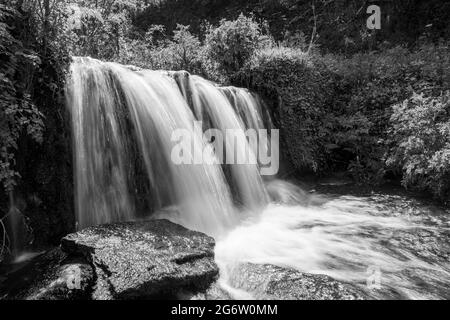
(346,238)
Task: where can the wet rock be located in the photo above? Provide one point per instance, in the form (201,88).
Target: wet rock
(214,292)
(51,276)
(268,282)
(149,259)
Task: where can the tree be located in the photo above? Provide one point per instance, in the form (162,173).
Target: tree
(96,27)
(185,48)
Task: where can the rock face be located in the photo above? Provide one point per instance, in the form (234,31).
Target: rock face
(266,282)
(151,259)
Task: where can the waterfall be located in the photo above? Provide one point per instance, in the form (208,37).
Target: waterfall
(122,122)
(18,233)
(212,105)
(17,228)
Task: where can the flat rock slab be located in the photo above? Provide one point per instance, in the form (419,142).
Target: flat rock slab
(269,282)
(148,259)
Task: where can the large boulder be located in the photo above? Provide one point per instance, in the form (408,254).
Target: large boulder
(148,259)
(269,282)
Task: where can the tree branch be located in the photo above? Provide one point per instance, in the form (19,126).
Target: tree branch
(313,35)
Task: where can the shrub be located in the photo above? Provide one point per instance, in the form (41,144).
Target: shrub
(290,81)
(420,143)
(232,43)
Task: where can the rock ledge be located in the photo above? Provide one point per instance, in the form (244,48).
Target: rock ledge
(149,259)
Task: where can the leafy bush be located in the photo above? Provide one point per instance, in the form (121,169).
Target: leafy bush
(420,143)
(290,81)
(232,43)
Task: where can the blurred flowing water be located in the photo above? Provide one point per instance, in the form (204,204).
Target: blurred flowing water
(388,246)
(122,123)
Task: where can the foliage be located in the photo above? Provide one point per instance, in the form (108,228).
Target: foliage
(281,75)
(370,83)
(18,114)
(232,43)
(225,49)
(156,51)
(95,28)
(185,48)
(341,24)
(419,139)
(34,149)
(334,110)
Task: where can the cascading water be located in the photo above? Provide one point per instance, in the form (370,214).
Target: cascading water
(122,123)
(17,228)
(219,113)
(371,242)
(18,234)
(102,185)
(114,107)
